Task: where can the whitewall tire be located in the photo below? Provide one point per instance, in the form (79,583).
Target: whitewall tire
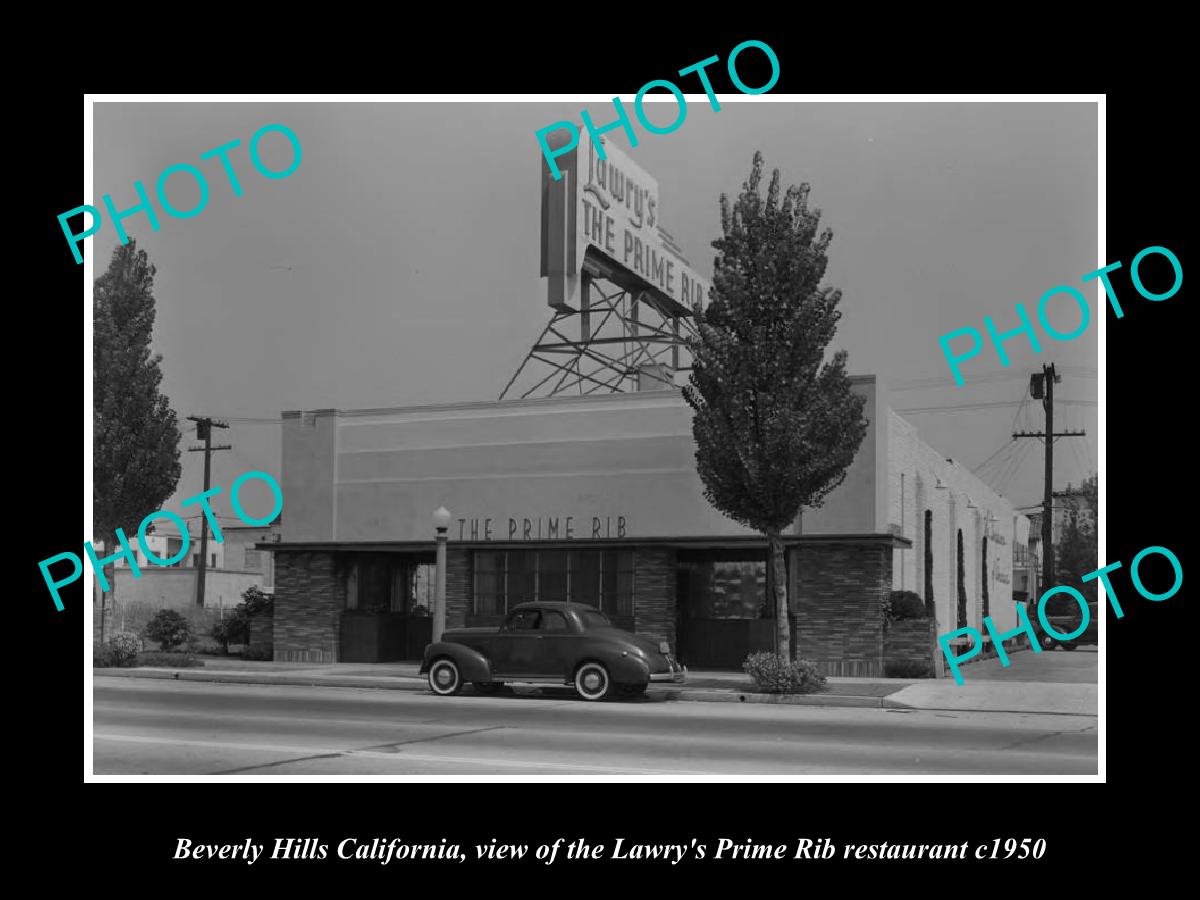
(592,681)
(444,678)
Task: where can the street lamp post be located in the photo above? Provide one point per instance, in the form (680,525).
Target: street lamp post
(441,521)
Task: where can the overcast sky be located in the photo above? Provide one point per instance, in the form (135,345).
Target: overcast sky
(399,264)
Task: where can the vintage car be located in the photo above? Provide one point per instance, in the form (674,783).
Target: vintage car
(550,643)
(1064,615)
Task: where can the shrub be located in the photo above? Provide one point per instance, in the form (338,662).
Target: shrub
(230,630)
(235,627)
(259,650)
(169,628)
(257,603)
(904,605)
(168,660)
(908,668)
(773,674)
(103,656)
(125,647)
(119,652)
(200,643)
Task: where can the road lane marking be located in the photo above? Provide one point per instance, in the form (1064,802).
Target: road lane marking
(310,752)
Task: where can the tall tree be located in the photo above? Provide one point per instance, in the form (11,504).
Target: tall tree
(962,583)
(1077,550)
(776,423)
(135,451)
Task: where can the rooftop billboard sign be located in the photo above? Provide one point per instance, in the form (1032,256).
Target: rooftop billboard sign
(603,214)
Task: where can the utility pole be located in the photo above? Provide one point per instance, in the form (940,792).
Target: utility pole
(1041,387)
(204,427)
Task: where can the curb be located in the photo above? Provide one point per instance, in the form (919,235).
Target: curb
(836,700)
(379,682)
(418,684)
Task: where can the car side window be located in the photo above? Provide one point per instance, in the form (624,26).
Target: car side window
(554,622)
(525,620)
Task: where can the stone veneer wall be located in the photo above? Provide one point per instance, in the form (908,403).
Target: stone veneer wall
(911,639)
(654,574)
(310,595)
(837,594)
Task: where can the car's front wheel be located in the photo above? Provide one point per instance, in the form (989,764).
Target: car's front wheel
(1047,642)
(444,678)
(592,681)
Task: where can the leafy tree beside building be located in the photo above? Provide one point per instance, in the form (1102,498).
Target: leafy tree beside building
(1077,550)
(135,446)
(776,423)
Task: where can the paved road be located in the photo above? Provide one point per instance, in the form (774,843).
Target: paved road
(1078,666)
(144,726)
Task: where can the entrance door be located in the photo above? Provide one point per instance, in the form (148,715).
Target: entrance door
(722,610)
(517,649)
(386,618)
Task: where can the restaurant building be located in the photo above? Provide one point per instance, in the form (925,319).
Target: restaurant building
(596,499)
(590,492)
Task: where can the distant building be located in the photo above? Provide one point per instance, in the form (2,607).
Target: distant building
(1072,501)
(166,544)
(241,554)
(233,565)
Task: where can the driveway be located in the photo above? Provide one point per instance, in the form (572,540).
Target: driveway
(1079,666)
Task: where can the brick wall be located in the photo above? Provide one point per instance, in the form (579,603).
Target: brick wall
(654,572)
(309,599)
(261,630)
(911,639)
(837,596)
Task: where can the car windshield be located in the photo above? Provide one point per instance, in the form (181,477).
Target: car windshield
(592,619)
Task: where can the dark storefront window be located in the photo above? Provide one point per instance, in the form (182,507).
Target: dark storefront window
(520,578)
(587,577)
(618,583)
(489,584)
(552,569)
(374,586)
(599,578)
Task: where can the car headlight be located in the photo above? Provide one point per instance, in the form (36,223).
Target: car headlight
(664,648)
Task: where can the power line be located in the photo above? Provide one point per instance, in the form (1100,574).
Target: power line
(964,406)
(1010,471)
(1000,450)
(915,384)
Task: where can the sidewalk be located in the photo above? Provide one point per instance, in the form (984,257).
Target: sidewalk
(707,686)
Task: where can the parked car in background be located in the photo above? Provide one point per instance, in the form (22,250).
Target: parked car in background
(550,643)
(1064,615)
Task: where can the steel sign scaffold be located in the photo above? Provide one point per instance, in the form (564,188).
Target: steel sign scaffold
(621,290)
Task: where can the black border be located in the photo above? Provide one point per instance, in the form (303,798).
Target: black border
(1148,391)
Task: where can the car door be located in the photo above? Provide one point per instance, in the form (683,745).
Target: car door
(559,644)
(516,647)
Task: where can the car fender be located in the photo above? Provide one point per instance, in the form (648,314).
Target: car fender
(624,666)
(472,665)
